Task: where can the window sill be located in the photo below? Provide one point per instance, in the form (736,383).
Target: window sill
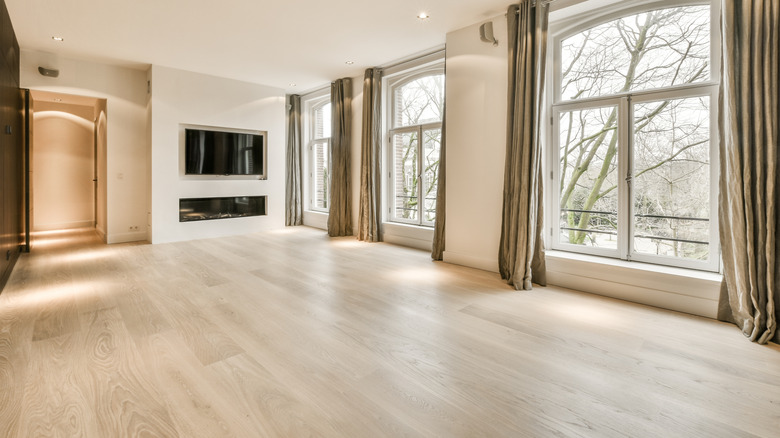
(414,236)
(639,266)
(679,289)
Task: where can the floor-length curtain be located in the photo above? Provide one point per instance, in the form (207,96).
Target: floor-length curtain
(371,146)
(340,212)
(521,249)
(294,187)
(750,125)
(437,250)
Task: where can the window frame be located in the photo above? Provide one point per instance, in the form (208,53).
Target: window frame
(392,81)
(311,103)
(625,101)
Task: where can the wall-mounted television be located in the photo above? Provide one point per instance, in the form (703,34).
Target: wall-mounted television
(209,152)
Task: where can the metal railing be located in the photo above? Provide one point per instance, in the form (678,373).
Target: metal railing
(642,236)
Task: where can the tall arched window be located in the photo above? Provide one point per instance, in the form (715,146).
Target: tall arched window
(633,156)
(415,112)
(318,166)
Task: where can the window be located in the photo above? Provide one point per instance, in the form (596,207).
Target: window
(318,148)
(633,154)
(415,109)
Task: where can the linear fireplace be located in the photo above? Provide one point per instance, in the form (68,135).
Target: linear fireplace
(201,209)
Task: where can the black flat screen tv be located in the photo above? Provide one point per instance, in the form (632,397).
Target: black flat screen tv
(209,152)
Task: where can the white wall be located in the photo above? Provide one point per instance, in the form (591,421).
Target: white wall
(180,97)
(63,160)
(127,147)
(476,133)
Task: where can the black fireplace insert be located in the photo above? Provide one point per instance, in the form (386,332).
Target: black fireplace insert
(202,209)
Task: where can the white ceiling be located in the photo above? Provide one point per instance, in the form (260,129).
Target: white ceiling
(305,42)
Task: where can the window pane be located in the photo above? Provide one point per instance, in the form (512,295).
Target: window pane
(321,174)
(322,121)
(431,153)
(588,177)
(672,178)
(405,175)
(653,49)
(419,101)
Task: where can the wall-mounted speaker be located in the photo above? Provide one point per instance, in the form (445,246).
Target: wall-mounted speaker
(486,33)
(49,72)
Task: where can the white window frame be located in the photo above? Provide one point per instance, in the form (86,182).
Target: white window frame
(394,78)
(625,102)
(310,103)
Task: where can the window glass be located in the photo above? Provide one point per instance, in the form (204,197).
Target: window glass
(672,177)
(653,49)
(419,101)
(416,107)
(588,175)
(633,164)
(322,121)
(318,150)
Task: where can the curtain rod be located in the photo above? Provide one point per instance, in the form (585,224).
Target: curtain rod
(413,58)
(533,3)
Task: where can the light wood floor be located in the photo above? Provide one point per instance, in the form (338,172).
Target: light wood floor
(293,334)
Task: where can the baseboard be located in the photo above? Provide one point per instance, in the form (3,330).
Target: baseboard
(408,235)
(676,289)
(409,242)
(635,294)
(101,233)
(315,220)
(471,261)
(136,236)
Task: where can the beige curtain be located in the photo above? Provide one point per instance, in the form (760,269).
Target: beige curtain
(340,213)
(437,251)
(371,146)
(521,249)
(749,129)
(294,187)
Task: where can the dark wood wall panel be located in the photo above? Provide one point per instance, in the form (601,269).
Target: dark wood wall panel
(11,148)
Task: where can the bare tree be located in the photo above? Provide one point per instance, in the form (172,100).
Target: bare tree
(419,101)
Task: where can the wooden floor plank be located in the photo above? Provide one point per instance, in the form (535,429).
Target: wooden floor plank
(198,406)
(54,403)
(123,395)
(292,333)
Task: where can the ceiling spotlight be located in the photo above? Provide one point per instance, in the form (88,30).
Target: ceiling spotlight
(423,16)
(292,85)
(58,38)
(349,62)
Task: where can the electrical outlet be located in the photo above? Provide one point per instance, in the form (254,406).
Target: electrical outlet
(134,228)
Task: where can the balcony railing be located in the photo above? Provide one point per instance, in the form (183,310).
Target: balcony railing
(642,236)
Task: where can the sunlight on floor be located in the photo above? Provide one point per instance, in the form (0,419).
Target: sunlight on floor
(48,243)
(589,314)
(417,275)
(35,296)
(347,242)
(285,230)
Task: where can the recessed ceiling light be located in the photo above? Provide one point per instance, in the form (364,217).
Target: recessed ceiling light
(349,62)
(423,16)
(292,85)
(58,38)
